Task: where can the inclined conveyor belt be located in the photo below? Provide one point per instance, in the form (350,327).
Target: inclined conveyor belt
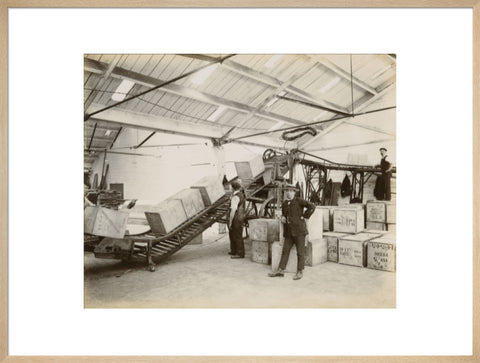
(153,248)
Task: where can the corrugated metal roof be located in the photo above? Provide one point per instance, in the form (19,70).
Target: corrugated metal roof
(252,92)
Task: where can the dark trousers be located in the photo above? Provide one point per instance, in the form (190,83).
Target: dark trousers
(235,232)
(299,242)
(387,189)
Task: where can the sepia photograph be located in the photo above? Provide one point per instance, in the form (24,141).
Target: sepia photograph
(240,181)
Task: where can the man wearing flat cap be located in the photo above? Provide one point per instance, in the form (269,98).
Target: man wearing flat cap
(386,168)
(294,212)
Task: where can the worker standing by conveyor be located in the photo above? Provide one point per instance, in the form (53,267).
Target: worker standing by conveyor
(236,219)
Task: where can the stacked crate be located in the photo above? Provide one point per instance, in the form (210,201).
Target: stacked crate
(349,219)
(352,249)
(327,217)
(263,232)
(381,215)
(382,253)
(316,248)
(332,244)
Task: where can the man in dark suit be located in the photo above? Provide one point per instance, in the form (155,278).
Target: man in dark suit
(386,167)
(294,212)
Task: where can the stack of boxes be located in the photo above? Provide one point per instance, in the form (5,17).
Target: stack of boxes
(332,245)
(352,249)
(381,216)
(263,233)
(349,219)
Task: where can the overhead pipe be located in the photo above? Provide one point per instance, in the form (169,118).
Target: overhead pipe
(309,124)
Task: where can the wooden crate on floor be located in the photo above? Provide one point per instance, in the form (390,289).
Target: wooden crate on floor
(211,189)
(261,252)
(382,253)
(191,200)
(264,229)
(348,220)
(166,216)
(332,245)
(376,211)
(315,225)
(316,252)
(277,255)
(250,169)
(352,250)
(105,222)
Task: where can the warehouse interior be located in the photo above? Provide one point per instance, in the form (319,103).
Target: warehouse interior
(164,130)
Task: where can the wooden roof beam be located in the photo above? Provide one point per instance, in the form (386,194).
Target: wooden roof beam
(166,125)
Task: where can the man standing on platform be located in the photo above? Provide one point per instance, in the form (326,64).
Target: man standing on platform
(386,168)
(236,219)
(294,212)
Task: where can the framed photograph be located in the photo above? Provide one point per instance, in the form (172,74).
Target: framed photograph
(240,182)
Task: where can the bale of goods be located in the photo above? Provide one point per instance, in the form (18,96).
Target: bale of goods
(332,245)
(378,226)
(250,169)
(352,249)
(382,253)
(105,222)
(315,225)
(348,220)
(211,189)
(376,211)
(191,200)
(316,252)
(264,229)
(261,252)
(166,216)
(277,255)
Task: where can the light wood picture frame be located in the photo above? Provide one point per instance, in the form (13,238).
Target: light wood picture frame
(5,5)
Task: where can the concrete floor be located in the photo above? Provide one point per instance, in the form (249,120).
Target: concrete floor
(204,276)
